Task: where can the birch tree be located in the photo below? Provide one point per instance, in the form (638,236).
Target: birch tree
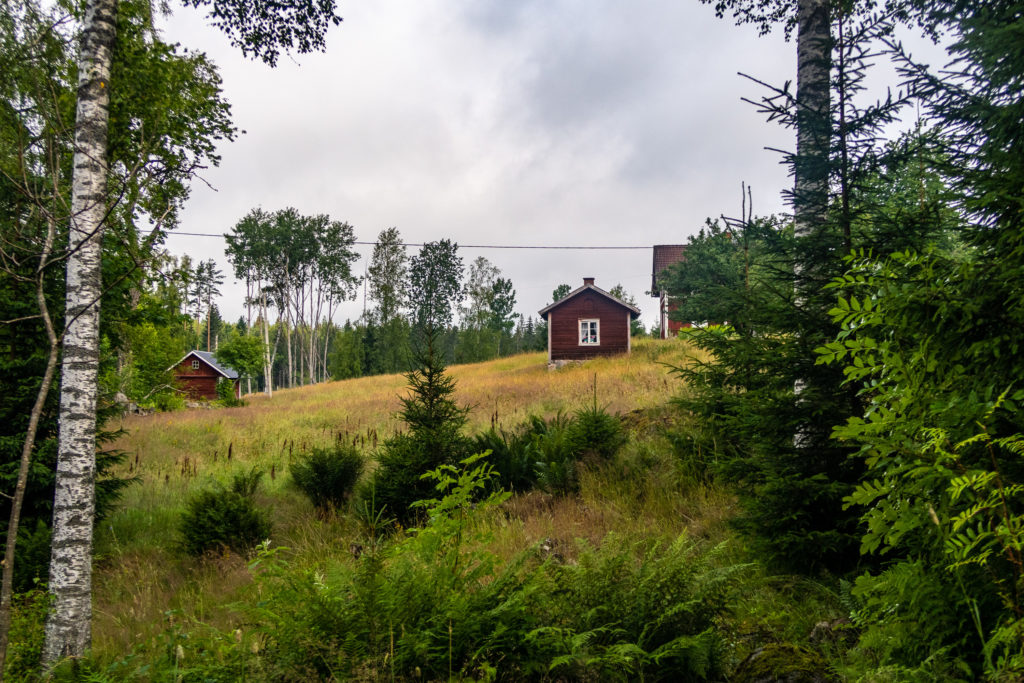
(68,628)
(387,282)
(262,29)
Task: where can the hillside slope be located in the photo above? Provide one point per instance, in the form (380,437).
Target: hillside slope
(142,574)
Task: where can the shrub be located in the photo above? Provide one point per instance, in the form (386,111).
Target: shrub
(225,518)
(513,457)
(556,460)
(594,431)
(226,393)
(28,616)
(328,475)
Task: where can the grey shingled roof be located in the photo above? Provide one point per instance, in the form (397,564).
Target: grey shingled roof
(210,360)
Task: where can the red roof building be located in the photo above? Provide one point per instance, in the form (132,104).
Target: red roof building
(587,323)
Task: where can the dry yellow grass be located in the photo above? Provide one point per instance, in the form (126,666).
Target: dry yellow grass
(176,449)
(140,575)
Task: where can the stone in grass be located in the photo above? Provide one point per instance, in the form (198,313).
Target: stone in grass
(783,663)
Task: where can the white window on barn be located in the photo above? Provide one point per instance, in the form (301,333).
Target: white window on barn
(195,365)
(590,332)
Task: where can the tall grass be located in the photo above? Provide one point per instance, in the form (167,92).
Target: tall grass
(143,579)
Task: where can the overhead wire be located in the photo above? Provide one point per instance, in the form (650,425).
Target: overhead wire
(461,246)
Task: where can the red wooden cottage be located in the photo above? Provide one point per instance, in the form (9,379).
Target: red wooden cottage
(666,255)
(588,322)
(198,372)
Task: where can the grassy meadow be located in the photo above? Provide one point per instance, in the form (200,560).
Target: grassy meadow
(145,585)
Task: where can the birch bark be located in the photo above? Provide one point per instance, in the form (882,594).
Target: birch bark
(68,627)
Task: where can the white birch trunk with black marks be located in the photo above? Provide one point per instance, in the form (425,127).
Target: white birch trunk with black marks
(68,627)
(268,363)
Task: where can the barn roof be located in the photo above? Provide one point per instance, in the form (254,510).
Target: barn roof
(589,284)
(665,255)
(210,360)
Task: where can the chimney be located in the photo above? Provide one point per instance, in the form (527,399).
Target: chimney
(588,281)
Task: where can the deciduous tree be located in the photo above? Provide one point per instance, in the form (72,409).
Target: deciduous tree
(435,284)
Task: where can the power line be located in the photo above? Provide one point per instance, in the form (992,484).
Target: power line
(461,246)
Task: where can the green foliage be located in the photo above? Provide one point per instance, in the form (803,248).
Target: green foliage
(434,438)
(594,432)
(264,29)
(32,561)
(348,354)
(28,618)
(768,410)
(328,475)
(557,468)
(624,617)
(513,457)
(226,393)
(436,604)
(941,439)
(243,353)
(386,276)
(743,396)
(218,518)
(923,337)
(783,662)
(548,453)
(435,289)
(560,292)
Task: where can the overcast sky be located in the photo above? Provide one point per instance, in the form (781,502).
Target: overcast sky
(541,123)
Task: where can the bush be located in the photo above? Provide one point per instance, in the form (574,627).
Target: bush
(168,401)
(513,457)
(594,431)
(219,519)
(226,393)
(546,453)
(328,475)
(556,459)
(28,616)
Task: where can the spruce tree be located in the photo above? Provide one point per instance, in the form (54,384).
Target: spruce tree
(434,436)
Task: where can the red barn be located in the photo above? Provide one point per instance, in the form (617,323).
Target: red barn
(589,322)
(198,372)
(666,255)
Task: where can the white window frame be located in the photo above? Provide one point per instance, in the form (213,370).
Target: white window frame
(597,331)
(195,365)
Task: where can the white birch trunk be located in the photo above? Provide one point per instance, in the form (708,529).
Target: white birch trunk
(68,627)
(288,338)
(268,364)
